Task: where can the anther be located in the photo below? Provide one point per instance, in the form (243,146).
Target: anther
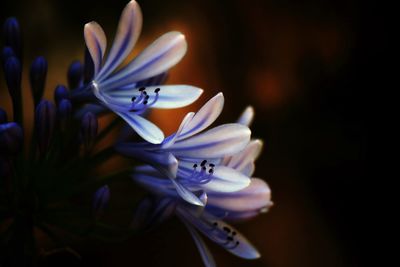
(133,98)
(145,102)
(233,233)
(157,90)
(211,165)
(203,163)
(229,238)
(226,229)
(147,97)
(195,165)
(142,89)
(210,171)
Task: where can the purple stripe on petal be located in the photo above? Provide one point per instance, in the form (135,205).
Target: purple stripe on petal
(204,117)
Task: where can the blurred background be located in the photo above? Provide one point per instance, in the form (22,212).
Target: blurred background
(305,66)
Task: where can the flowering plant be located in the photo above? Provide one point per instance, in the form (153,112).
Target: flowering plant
(49,176)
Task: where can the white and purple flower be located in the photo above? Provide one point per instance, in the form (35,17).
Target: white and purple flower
(121,90)
(193,158)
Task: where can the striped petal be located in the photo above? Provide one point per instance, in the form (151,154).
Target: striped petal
(218,142)
(254,197)
(129,27)
(246,118)
(169,96)
(223,179)
(170,140)
(157,58)
(220,233)
(188,195)
(204,117)
(164,162)
(205,254)
(240,160)
(96,43)
(146,129)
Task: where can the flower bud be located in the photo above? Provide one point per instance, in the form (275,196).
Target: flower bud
(60,93)
(75,73)
(38,75)
(12,35)
(6,53)
(89,128)
(45,117)
(64,113)
(12,71)
(11,139)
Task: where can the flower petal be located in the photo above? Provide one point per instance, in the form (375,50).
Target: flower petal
(129,27)
(246,118)
(187,195)
(157,58)
(240,160)
(204,117)
(96,43)
(146,129)
(171,139)
(169,96)
(205,254)
(254,197)
(164,162)
(218,142)
(221,233)
(223,179)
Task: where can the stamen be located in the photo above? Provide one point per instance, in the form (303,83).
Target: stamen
(226,229)
(157,90)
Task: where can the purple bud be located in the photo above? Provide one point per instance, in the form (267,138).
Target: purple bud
(3,116)
(12,35)
(6,53)
(11,139)
(100,199)
(60,93)
(45,117)
(89,128)
(75,73)
(37,77)
(12,71)
(64,113)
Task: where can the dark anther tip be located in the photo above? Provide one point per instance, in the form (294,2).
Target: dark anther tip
(195,165)
(157,90)
(142,89)
(203,163)
(133,98)
(145,102)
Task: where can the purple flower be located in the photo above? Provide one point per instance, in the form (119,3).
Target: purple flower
(192,158)
(120,90)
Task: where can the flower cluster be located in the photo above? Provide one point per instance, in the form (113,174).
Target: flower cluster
(203,176)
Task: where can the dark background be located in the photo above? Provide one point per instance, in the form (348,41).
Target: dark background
(309,68)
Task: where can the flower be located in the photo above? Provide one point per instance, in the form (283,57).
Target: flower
(121,90)
(192,158)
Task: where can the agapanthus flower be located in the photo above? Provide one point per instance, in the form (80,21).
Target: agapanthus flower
(239,205)
(192,158)
(121,90)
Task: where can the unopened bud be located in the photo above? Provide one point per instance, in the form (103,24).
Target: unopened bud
(75,74)
(45,117)
(38,75)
